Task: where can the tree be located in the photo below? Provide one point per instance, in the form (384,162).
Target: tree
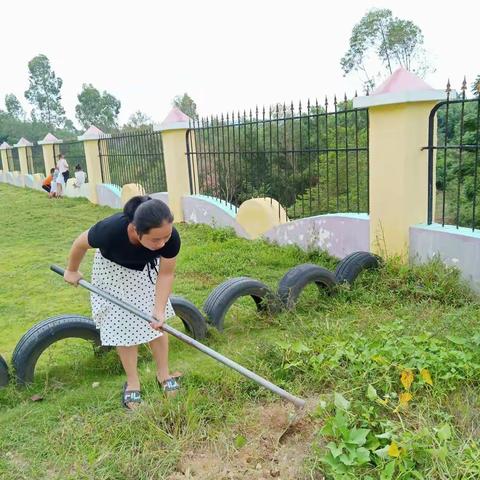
(96,108)
(14,107)
(44,92)
(138,121)
(186,105)
(393,41)
(476,86)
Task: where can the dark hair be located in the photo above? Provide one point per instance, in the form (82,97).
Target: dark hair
(78,167)
(146,213)
(52,170)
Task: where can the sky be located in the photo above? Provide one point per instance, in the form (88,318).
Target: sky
(227,55)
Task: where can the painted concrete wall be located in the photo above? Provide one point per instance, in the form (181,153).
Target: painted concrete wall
(211,211)
(31,182)
(338,234)
(163,196)
(109,195)
(456,247)
(18,179)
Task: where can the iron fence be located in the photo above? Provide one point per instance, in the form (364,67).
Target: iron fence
(35,163)
(312,160)
(10,163)
(134,157)
(454,133)
(74,154)
(15,160)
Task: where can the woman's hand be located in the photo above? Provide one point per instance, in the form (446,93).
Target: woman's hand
(72,277)
(159,321)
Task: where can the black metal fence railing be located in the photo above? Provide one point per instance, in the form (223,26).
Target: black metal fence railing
(134,157)
(35,163)
(73,152)
(311,160)
(9,154)
(15,159)
(456,175)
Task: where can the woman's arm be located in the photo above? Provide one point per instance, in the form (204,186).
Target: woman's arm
(77,252)
(163,289)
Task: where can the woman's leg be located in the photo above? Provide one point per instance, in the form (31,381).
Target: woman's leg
(128,357)
(159,348)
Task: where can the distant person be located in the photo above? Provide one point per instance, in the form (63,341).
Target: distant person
(80,176)
(60,182)
(53,185)
(62,165)
(47,183)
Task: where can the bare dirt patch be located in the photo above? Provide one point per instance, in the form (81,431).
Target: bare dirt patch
(270,450)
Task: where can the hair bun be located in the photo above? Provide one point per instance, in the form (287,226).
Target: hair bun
(132,205)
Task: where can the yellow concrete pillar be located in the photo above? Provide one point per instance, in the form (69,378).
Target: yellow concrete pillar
(174,139)
(3,153)
(22,157)
(398,118)
(48,148)
(92,157)
(22,146)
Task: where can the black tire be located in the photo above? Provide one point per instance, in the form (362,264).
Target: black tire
(193,320)
(222,297)
(4,377)
(42,335)
(354,264)
(297,278)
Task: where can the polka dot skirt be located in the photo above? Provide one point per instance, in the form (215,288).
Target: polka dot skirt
(117,326)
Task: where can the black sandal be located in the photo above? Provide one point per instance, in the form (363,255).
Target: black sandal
(170,385)
(130,396)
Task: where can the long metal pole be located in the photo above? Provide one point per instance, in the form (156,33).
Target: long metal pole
(190,341)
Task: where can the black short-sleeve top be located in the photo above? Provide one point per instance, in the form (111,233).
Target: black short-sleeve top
(111,237)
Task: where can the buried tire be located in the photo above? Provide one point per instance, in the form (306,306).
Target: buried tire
(222,297)
(193,320)
(3,372)
(44,334)
(296,279)
(354,264)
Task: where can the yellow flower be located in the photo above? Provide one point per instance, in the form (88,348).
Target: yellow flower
(404,398)
(407,378)
(425,374)
(393,450)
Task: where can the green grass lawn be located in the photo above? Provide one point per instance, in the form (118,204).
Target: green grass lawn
(347,354)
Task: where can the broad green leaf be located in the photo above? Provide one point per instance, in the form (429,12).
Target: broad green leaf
(363,455)
(444,433)
(382,452)
(299,347)
(341,402)
(358,436)
(371,393)
(457,340)
(335,449)
(346,459)
(388,471)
